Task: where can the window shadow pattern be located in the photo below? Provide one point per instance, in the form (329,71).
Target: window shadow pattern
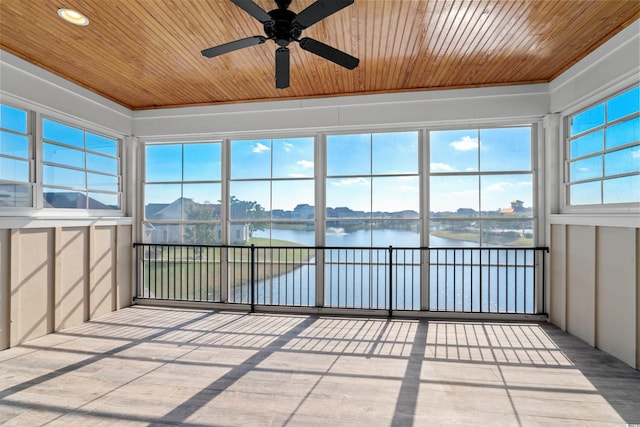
(157,366)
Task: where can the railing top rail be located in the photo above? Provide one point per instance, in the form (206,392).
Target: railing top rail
(426,248)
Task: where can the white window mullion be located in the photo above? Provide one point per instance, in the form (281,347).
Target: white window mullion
(38,191)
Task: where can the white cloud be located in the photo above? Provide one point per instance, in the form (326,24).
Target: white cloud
(350,181)
(439,167)
(287,146)
(465,193)
(259,148)
(298,175)
(465,144)
(408,189)
(307,164)
(470,169)
(499,186)
(524,184)
(635,154)
(583,169)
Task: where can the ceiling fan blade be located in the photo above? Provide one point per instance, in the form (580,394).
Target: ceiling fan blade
(330,53)
(320,10)
(282,67)
(253,9)
(231,46)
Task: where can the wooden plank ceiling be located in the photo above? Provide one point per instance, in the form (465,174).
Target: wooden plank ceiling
(146,53)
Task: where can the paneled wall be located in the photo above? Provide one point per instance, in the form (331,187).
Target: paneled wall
(595,276)
(55,277)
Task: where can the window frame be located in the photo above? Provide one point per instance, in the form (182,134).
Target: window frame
(30,134)
(36,114)
(182,222)
(566,160)
(41,163)
(270,180)
(420,172)
(320,170)
(534,172)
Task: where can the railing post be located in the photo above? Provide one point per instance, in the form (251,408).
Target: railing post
(425,267)
(136,285)
(544,253)
(390,281)
(252,275)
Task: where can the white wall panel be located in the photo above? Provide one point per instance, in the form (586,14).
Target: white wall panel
(5,293)
(71,276)
(31,284)
(124,266)
(54,278)
(558,274)
(367,111)
(581,284)
(637,298)
(615,292)
(102,271)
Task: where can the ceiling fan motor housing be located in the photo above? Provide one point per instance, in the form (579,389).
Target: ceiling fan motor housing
(282,29)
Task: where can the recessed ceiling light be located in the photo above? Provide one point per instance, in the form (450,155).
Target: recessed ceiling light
(73,17)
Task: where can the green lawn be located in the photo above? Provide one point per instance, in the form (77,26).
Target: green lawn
(193,274)
(493,238)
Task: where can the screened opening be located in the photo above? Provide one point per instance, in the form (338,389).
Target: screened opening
(603,152)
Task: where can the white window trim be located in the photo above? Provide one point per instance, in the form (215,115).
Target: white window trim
(141,183)
(36,115)
(590,212)
(537,167)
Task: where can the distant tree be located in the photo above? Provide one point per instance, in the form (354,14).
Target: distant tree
(251,210)
(202,233)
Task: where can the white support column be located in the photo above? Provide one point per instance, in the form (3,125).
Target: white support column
(133,178)
(320,162)
(550,192)
(423,152)
(224,219)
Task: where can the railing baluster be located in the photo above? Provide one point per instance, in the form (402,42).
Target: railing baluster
(390,281)
(194,273)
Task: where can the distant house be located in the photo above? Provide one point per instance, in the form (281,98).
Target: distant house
(517,206)
(280,214)
(466,212)
(71,200)
(185,208)
(303,211)
(14,195)
(344,212)
(238,233)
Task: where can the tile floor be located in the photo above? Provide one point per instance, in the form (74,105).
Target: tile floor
(154,366)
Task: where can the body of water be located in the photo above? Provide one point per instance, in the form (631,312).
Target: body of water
(497,280)
(376,237)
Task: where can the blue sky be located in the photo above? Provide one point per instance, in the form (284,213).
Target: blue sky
(480,150)
(364,171)
(280,159)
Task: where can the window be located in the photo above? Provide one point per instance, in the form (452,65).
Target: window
(481,187)
(80,169)
(16,154)
(603,152)
(182,193)
(372,190)
(272,192)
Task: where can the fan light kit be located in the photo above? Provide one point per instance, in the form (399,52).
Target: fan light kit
(284,26)
(73,17)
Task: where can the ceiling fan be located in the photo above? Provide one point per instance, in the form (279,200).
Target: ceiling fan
(284,26)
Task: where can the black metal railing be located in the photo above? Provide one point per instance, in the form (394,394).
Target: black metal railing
(455,279)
